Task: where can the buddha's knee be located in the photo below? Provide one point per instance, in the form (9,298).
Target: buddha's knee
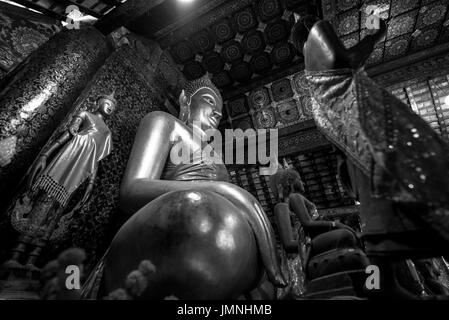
(341,238)
(200,244)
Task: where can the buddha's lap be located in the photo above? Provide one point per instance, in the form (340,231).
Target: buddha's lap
(186,234)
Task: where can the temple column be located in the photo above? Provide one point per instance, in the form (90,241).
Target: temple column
(37,95)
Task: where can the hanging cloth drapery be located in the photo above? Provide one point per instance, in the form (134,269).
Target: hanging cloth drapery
(405,159)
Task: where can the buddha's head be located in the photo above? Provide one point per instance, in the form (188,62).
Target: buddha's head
(107,104)
(285,182)
(201,103)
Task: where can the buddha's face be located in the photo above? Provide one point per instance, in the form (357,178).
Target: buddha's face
(205,108)
(298,186)
(106,107)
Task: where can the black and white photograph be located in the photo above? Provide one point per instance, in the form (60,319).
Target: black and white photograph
(236,157)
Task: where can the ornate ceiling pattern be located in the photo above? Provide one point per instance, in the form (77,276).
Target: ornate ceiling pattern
(238,41)
(412,24)
(279,104)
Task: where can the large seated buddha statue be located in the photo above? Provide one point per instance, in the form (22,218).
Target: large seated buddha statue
(207,238)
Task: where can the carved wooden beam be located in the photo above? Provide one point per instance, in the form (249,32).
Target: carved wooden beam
(112,3)
(123,14)
(302,141)
(429,62)
(339,211)
(48,13)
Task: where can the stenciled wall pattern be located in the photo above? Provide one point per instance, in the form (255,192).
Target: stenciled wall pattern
(413,25)
(21,32)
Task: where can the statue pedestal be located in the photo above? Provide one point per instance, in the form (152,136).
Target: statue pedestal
(19,284)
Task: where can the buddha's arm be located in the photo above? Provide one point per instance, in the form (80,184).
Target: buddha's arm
(149,153)
(41,162)
(298,206)
(76,122)
(283,221)
(309,205)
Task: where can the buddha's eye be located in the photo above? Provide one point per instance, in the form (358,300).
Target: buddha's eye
(209,99)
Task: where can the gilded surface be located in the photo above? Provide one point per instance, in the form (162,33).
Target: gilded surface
(77,160)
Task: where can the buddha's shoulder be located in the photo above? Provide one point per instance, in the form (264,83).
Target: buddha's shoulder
(161,116)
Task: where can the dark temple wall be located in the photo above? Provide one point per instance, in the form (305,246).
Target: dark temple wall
(21,32)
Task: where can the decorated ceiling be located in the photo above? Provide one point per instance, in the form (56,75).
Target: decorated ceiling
(242,41)
(238,41)
(248,40)
(412,24)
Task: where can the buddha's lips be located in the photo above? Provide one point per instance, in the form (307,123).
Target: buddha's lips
(214,121)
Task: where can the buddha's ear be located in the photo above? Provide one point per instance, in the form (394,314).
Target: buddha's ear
(184,107)
(182,98)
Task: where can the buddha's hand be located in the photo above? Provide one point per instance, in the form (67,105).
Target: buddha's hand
(259,223)
(75,125)
(37,168)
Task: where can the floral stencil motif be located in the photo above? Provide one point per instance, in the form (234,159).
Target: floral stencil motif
(22,32)
(26,40)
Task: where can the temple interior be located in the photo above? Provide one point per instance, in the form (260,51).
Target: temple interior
(94,92)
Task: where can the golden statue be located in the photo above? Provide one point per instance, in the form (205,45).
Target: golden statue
(73,158)
(207,238)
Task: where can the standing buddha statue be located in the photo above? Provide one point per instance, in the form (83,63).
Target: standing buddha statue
(58,172)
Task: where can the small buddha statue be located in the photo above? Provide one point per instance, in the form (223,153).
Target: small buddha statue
(58,172)
(207,238)
(293,206)
(283,183)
